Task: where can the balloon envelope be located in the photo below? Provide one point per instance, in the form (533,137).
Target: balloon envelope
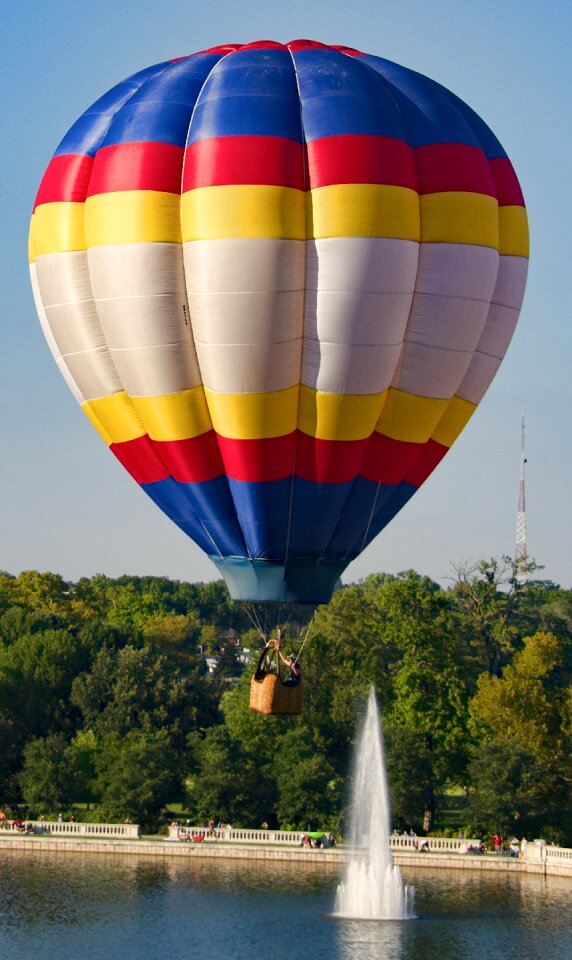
(279,279)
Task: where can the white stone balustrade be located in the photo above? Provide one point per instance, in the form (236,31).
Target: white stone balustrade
(103,831)
(294,838)
(238,835)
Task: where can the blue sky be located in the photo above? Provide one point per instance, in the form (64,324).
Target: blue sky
(67,506)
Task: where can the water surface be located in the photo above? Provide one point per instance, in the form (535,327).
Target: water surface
(107,908)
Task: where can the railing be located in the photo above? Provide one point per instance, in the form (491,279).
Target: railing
(558,853)
(434,844)
(537,851)
(295,837)
(238,835)
(540,852)
(128,831)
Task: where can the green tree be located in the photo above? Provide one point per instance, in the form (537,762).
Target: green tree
(135,689)
(523,722)
(310,793)
(138,774)
(410,776)
(226,782)
(36,675)
(491,596)
(429,696)
(511,792)
(47,779)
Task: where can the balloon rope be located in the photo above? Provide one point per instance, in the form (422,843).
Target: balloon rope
(252,615)
(306,637)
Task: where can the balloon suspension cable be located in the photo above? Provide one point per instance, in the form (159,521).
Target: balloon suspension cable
(308,629)
(252,614)
(261,620)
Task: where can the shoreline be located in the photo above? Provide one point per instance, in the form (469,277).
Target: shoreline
(333,858)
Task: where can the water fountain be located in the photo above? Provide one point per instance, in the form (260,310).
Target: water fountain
(372,888)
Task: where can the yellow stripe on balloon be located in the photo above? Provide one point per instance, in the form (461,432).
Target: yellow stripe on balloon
(256,416)
(243,210)
(176,416)
(363,210)
(453,421)
(115,418)
(410,418)
(132,216)
(460,217)
(57,228)
(330,416)
(513,231)
(253,416)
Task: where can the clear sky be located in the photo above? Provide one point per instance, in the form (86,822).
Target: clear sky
(66,505)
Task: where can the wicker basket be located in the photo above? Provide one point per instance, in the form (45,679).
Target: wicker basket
(271,696)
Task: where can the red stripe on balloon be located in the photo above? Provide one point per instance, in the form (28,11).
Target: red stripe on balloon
(258,460)
(453,166)
(188,461)
(224,48)
(350,51)
(361,158)
(66,179)
(193,460)
(430,455)
(230,160)
(303,44)
(137,166)
(140,460)
(388,460)
(262,45)
(196,460)
(506,182)
(328,461)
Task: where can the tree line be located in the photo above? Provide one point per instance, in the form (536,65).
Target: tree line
(107,702)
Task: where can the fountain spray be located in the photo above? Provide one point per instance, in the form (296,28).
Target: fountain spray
(372,888)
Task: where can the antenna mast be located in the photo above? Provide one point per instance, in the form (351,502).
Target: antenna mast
(521,552)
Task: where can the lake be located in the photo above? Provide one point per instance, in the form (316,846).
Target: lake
(111,908)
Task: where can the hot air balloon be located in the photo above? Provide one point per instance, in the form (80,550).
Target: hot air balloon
(279,278)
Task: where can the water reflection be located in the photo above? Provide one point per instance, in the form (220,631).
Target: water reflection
(106,908)
(370,940)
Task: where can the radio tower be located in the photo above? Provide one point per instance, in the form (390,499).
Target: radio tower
(521,552)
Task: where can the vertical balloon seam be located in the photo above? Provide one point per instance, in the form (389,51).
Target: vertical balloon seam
(397,492)
(306,184)
(246,554)
(455,102)
(102,135)
(394,497)
(477,124)
(216,546)
(156,449)
(361,540)
(191,511)
(337,520)
(359,546)
(352,552)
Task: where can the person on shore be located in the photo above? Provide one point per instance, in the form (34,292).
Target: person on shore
(497,841)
